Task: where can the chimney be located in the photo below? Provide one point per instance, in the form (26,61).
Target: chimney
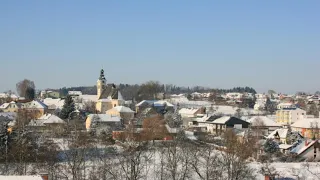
(44,176)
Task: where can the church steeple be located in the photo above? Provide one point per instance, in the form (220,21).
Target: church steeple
(102,75)
(101,83)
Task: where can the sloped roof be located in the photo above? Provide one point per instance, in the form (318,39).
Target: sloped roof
(222,120)
(266,121)
(122,109)
(74,93)
(306,123)
(53,119)
(35,104)
(53,103)
(104,118)
(110,91)
(162,103)
(188,111)
(87,97)
(4,105)
(302,147)
(282,133)
(155,103)
(145,102)
(46,119)
(8,115)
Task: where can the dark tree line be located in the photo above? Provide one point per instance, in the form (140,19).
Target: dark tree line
(237,89)
(151,90)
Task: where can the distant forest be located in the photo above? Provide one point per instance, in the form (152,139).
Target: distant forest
(143,91)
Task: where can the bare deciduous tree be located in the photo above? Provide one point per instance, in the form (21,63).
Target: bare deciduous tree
(89,106)
(24,87)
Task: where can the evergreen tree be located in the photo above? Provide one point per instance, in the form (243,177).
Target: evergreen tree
(67,108)
(270,146)
(270,106)
(289,137)
(177,120)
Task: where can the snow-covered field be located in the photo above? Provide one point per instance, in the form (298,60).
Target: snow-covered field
(302,171)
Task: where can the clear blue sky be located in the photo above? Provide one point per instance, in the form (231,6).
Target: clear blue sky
(264,44)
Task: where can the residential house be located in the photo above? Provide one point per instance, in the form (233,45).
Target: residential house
(124,112)
(108,95)
(234,96)
(286,106)
(308,127)
(48,122)
(74,93)
(314,99)
(10,107)
(220,125)
(309,150)
(261,96)
(103,123)
(50,94)
(10,96)
(190,112)
(53,104)
(202,124)
(280,135)
(160,106)
(289,115)
(88,98)
(196,95)
(38,108)
(264,123)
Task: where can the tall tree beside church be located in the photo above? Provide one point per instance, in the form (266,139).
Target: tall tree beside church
(26,88)
(67,108)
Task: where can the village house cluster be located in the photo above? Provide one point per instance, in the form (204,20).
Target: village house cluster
(276,116)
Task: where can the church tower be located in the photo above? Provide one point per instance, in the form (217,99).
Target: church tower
(101,83)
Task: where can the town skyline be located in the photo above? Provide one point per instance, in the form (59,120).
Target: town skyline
(264,45)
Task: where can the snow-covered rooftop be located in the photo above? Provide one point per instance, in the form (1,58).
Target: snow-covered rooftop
(222,120)
(86,97)
(307,123)
(46,119)
(190,111)
(122,109)
(35,104)
(4,105)
(54,103)
(282,133)
(265,120)
(104,117)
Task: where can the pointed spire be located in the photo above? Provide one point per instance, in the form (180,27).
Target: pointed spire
(102,75)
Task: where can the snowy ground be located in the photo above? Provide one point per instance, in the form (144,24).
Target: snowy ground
(303,171)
